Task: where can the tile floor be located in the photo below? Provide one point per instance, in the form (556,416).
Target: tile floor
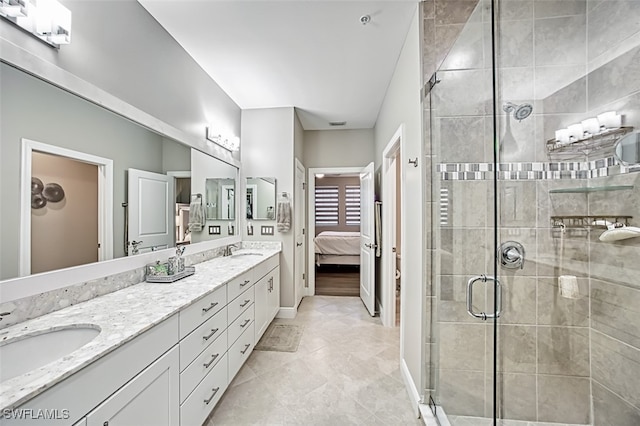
(345,372)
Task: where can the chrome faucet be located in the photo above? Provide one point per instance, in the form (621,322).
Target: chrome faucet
(228,250)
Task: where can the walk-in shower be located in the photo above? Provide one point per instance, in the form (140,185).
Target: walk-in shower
(556,339)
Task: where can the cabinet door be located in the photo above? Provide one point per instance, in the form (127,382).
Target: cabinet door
(151,398)
(261,307)
(274,294)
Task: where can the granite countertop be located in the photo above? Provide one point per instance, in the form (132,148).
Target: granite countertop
(121,316)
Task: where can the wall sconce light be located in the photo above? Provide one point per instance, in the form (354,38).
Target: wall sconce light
(46,19)
(231,143)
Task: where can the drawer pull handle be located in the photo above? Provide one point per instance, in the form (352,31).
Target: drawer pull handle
(246,348)
(213,305)
(213,358)
(215,391)
(244,324)
(245,283)
(246,302)
(213,331)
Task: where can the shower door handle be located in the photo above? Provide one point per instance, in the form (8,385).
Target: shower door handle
(482,315)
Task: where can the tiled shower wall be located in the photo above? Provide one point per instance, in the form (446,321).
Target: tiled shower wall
(571,60)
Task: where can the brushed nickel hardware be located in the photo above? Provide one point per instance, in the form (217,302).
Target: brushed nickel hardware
(213,358)
(414,162)
(246,302)
(245,283)
(244,324)
(215,391)
(213,331)
(213,305)
(246,348)
(298,244)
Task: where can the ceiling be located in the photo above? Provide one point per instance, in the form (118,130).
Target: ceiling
(310,54)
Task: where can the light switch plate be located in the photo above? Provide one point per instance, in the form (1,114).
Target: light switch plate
(266,230)
(214,230)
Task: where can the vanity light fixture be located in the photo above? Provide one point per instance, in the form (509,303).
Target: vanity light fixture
(46,19)
(231,143)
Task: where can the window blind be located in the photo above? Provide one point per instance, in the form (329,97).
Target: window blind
(327,205)
(352,204)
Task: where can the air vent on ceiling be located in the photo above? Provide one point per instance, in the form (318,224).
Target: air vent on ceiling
(337,123)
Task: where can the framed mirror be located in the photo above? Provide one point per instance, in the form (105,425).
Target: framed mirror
(627,149)
(35,110)
(261,198)
(220,199)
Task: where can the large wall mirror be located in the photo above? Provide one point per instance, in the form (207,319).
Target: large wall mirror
(261,198)
(64,217)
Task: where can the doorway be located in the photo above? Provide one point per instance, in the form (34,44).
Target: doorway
(392,183)
(66,208)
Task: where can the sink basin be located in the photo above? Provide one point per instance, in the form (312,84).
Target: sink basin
(244,254)
(29,352)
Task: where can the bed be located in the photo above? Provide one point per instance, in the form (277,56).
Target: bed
(337,248)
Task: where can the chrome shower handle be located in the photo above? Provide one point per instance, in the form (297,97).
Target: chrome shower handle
(482,315)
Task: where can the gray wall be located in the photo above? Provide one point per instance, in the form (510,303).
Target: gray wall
(139,62)
(338,148)
(35,110)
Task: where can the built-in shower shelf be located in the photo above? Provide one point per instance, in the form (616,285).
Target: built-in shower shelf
(588,145)
(587,221)
(590,189)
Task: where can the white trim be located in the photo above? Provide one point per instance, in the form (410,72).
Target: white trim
(173,175)
(390,153)
(297,298)
(311,209)
(105,199)
(287,313)
(412,391)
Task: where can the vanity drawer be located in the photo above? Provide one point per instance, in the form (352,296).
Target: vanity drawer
(203,364)
(197,407)
(203,309)
(240,304)
(239,326)
(263,269)
(241,349)
(237,286)
(192,345)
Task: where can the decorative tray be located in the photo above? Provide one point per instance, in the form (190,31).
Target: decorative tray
(188,270)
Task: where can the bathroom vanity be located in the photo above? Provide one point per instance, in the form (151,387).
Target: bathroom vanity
(164,355)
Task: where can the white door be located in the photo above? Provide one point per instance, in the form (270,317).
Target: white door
(149,214)
(300,216)
(367,240)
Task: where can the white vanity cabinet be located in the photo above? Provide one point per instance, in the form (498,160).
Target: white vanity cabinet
(176,372)
(267,305)
(150,399)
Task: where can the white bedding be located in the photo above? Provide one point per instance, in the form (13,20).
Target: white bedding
(340,243)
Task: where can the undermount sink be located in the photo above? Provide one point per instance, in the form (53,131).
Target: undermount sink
(243,254)
(29,352)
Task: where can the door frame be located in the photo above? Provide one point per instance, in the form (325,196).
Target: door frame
(299,186)
(311,186)
(175,175)
(391,152)
(105,198)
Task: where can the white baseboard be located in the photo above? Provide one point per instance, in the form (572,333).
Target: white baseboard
(414,395)
(288,313)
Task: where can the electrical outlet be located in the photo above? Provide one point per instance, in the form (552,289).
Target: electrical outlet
(266,230)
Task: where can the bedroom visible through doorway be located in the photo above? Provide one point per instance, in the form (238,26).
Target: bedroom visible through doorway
(337,234)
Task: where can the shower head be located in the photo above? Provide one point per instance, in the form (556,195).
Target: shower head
(520,112)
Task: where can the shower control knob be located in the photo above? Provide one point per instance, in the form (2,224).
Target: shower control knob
(511,255)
